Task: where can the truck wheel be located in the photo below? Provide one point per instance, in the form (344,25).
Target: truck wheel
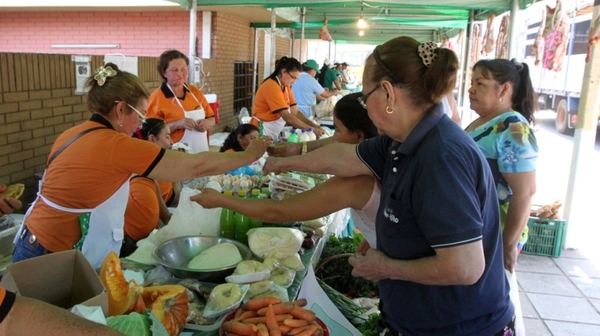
(561,123)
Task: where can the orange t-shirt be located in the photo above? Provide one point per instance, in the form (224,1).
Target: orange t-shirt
(85,175)
(141,216)
(6,302)
(162,105)
(271,99)
(166,191)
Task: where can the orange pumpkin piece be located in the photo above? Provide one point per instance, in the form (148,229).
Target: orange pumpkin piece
(169,303)
(123,297)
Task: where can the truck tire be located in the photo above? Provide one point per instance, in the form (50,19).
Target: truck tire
(561,123)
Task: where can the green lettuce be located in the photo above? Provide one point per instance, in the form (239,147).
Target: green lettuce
(136,324)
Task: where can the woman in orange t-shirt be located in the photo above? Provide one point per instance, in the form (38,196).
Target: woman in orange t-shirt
(181,105)
(146,208)
(82,202)
(239,139)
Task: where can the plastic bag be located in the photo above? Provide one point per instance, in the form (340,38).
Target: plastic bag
(325,107)
(279,243)
(244,116)
(190,219)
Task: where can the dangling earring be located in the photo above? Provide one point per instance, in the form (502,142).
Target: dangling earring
(501,99)
(389,110)
(119,122)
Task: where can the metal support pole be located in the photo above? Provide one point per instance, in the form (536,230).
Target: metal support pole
(465,64)
(293,43)
(273,29)
(192,51)
(255,64)
(513,30)
(462,71)
(301,56)
(580,204)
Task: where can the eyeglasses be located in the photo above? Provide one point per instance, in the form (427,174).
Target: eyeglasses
(291,76)
(140,114)
(363,99)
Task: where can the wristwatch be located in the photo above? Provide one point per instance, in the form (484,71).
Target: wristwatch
(304,148)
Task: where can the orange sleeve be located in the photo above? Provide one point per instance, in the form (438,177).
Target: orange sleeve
(7,299)
(166,190)
(142,213)
(270,99)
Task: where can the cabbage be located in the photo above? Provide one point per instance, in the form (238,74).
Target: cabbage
(278,243)
(133,324)
(215,257)
(136,324)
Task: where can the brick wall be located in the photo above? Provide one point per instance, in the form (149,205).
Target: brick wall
(37,100)
(138,33)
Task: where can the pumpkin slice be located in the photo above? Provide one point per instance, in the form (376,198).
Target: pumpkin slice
(169,303)
(123,297)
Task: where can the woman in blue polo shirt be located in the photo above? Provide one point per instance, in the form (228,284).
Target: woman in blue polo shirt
(438,260)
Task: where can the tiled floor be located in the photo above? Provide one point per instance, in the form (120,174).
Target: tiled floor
(560,296)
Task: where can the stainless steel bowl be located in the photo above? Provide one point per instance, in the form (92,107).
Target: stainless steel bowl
(175,254)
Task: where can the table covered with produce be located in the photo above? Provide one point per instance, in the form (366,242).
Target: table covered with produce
(196,283)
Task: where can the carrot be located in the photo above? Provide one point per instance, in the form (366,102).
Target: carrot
(318,332)
(280,308)
(271,322)
(303,314)
(295,323)
(262,329)
(296,331)
(258,303)
(246,314)
(284,329)
(300,302)
(263,319)
(238,313)
(239,328)
(309,331)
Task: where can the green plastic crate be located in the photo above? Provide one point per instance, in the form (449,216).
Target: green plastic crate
(546,236)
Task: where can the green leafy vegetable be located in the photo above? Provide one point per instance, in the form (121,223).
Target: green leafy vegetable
(338,272)
(369,328)
(134,324)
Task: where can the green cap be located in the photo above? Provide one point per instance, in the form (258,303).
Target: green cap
(312,64)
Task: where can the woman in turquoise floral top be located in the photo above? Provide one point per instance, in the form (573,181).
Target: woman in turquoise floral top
(502,95)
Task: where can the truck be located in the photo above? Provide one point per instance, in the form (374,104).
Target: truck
(561,90)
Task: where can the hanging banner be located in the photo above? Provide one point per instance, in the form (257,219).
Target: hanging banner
(82,72)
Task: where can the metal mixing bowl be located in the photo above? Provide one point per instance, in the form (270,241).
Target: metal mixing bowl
(175,254)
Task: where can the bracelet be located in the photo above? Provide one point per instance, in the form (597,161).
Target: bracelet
(304,148)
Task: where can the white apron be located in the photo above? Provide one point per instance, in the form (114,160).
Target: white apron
(272,128)
(106,224)
(198,141)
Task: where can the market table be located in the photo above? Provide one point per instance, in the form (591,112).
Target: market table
(310,257)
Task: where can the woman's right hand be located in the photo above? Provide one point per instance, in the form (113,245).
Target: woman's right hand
(189,124)
(208,198)
(363,247)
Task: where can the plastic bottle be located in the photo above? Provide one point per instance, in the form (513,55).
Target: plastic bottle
(242,223)
(311,135)
(303,136)
(293,137)
(227,223)
(254,223)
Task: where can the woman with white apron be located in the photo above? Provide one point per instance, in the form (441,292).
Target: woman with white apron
(181,105)
(86,184)
(275,105)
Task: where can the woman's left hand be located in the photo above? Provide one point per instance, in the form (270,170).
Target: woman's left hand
(202,125)
(510,258)
(208,198)
(369,265)
(319,131)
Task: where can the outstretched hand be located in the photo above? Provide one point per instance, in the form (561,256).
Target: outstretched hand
(8,205)
(258,147)
(285,149)
(208,198)
(274,165)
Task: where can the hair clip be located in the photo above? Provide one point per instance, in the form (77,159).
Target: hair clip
(102,73)
(427,52)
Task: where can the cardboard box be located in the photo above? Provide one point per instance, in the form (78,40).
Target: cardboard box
(63,279)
